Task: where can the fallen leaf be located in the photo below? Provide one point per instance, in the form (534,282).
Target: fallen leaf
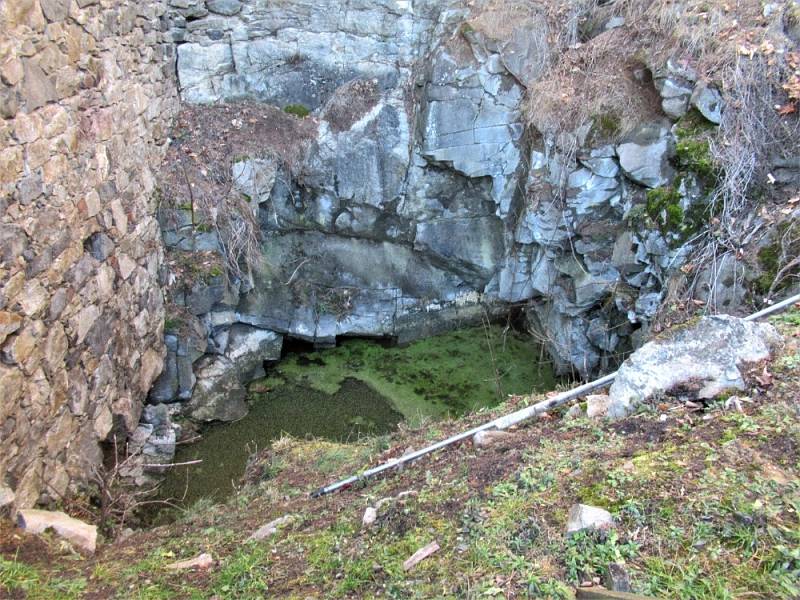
(787,109)
(765,379)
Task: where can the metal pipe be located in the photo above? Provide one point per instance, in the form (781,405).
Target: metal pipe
(510,419)
(774,308)
(499,423)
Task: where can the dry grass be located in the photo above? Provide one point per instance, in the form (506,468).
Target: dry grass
(594,73)
(207,140)
(600,82)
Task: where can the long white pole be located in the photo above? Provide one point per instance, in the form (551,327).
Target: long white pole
(513,418)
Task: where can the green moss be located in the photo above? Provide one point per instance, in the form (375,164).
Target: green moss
(694,155)
(692,150)
(204,228)
(172,324)
(298,110)
(694,124)
(664,207)
(606,126)
(664,210)
(769,259)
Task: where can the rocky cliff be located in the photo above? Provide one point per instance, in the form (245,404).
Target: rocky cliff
(86,99)
(381,169)
(420,191)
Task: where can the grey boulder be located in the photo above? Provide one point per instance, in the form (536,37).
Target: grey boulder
(645,154)
(708,356)
(218,394)
(709,102)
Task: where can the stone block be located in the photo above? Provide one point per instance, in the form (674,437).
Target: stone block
(78,533)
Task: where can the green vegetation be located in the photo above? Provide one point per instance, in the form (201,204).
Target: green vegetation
(172,324)
(774,256)
(692,150)
(694,155)
(664,208)
(298,110)
(448,374)
(588,553)
(769,260)
(706,507)
(19,578)
(244,574)
(606,127)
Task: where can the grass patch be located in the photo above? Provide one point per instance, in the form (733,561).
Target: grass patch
(245,574)
(298,110)
(17,577)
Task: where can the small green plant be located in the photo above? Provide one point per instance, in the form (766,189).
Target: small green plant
(539,587)
(588,553)
(245,574)
(607,126)
(298,110)
(172,324)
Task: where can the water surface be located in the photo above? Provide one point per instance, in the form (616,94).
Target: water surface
(362,388)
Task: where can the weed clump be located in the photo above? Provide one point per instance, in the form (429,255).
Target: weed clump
(298,110)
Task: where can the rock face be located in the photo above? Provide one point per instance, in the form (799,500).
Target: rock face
(85,101)
(645,154)
(705,359)
(421,202)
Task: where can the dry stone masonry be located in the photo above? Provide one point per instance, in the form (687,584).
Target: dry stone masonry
(86,98)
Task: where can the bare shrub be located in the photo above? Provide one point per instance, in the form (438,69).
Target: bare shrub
(599,78)
(197,172)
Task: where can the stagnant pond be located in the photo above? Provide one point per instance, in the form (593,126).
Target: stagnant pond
(362,388)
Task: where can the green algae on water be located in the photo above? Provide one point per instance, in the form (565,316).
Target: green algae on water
(355,410)
(448,374)
(362,388)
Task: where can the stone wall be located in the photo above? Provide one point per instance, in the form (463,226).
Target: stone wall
(86,98)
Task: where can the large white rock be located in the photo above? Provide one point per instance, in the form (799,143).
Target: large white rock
(80,534)
(583,517)
(707,355)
